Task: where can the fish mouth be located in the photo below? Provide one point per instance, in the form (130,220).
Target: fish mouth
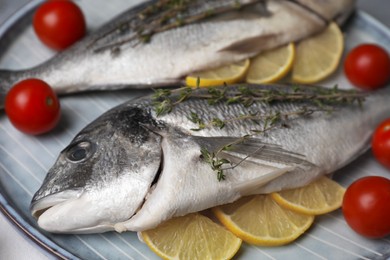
(52,215)
(38,207)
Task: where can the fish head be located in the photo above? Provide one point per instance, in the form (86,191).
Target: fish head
(102,176)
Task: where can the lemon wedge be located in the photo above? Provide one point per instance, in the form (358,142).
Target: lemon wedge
(318,57)
(272,65)
(193,236)
(228,74)
(319,197)
(259,220)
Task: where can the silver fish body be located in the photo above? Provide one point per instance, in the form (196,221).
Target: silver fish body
(99,62)
(131,169)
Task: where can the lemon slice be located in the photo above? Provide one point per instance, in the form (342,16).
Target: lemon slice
(228,74)
(319,197)
(318,57)
(191,237)
(259,220)
(272,65)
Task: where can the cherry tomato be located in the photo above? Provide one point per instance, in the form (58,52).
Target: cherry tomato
(367,66)
(32,106)
(366,206)
(381,143)
(59,23)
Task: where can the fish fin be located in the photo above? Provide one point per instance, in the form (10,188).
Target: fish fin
(250,186)
(5,85)
(253,150)
(253,44)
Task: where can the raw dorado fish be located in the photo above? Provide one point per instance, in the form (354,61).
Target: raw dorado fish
(143,48)
(132,169)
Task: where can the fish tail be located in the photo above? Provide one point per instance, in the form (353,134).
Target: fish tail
(5,85)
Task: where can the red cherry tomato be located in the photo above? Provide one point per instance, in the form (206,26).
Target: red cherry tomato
(32,106)
(59,23)
(381,143)
(366,206)
(367,66)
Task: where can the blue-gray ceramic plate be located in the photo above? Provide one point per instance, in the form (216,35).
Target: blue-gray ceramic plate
(24,160)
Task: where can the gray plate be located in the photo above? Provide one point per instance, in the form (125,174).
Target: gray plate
(24,160)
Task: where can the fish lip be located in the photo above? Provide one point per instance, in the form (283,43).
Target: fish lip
(87,230)
(38,207)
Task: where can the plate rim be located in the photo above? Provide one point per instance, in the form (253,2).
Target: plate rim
(15,218)
(31,233)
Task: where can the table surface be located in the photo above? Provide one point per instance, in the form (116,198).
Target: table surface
(13,245)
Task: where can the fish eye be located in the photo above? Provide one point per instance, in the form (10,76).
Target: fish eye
(79,152)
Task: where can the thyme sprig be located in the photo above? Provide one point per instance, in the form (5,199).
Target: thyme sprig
(318,99)
(215,162)
(269,120)
(165,100)
(165,15)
